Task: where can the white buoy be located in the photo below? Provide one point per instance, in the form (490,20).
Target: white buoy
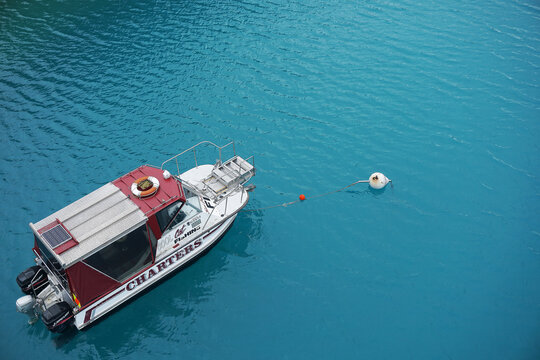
(378,180)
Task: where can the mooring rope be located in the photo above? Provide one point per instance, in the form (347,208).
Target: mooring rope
(306,198)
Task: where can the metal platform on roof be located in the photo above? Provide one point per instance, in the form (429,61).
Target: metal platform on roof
(94,221)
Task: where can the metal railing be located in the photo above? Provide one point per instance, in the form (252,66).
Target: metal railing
(193,148)
(61,279)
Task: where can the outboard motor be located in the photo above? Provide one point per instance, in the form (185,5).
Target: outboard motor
(32,280)
(25,305)
(58,317)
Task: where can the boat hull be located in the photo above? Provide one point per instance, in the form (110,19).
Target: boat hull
(179,258)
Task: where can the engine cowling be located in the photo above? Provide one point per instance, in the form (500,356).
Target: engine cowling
(32,280)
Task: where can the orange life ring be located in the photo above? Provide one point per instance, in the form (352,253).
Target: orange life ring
(145,186)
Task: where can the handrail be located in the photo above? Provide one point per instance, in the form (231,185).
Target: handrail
(218,202)
(62,278)
(252,157)
(175,157)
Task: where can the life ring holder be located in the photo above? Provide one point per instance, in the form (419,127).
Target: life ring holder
(145,186)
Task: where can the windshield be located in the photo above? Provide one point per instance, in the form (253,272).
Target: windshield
(177,213)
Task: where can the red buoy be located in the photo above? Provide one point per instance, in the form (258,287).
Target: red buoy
(302,197)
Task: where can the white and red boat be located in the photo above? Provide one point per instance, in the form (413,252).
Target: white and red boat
(105,248)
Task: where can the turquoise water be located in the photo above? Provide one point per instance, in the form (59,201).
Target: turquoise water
(443,97)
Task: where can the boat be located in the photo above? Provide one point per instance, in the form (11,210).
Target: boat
(110,245)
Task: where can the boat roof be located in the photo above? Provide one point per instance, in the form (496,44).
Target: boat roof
(106,214)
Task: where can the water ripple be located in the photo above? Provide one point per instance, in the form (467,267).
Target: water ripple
(444,98)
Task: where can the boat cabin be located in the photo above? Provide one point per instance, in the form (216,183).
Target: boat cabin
(101,241)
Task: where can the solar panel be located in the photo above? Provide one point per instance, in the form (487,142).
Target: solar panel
(56,236)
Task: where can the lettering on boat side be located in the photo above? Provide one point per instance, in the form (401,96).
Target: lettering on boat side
(181,235)
(180,231)
(208,203)
(156,269)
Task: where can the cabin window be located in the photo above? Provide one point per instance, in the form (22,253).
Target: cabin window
(125,256)
(176,213)
(192,199)
(153,240)
(189,193)
(194,203)
(166,216)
